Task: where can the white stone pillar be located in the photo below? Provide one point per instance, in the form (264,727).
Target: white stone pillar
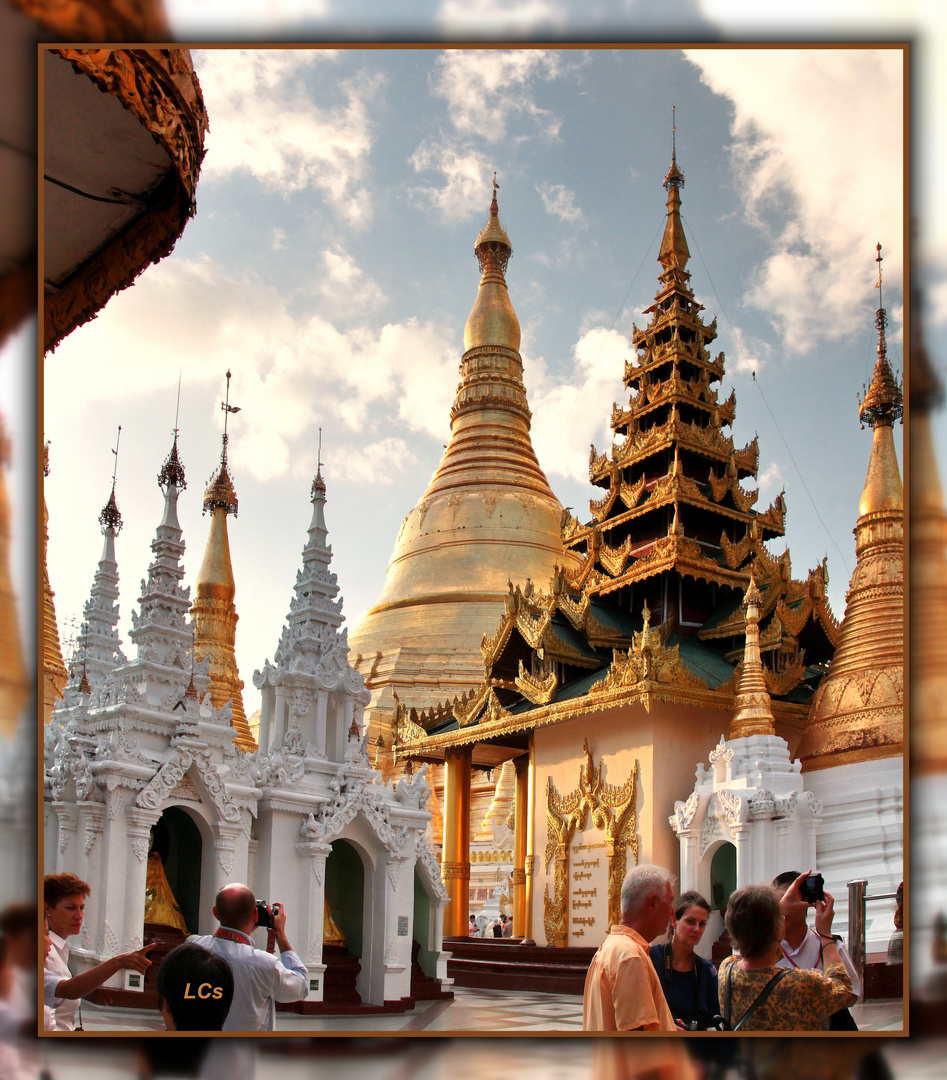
(322,705)
(279,717)
(312,913)
(66,848)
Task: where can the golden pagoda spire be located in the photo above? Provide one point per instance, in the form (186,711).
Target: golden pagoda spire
(674,253)
(55,675)
(492,320)
(215,615)
(754,715)
(857,712)
(14,684)
(928,584)
(488,516)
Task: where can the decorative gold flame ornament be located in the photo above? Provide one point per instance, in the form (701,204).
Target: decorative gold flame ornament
(613,811)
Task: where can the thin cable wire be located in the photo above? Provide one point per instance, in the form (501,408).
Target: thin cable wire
(756,383)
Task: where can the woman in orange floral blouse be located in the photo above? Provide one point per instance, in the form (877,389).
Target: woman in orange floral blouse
(803,997)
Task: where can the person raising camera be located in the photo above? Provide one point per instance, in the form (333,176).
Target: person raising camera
(803,947)
(260,978)
(754,995)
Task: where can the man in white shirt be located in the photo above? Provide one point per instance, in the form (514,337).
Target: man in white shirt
(802,946)
(260,978)
(64,897)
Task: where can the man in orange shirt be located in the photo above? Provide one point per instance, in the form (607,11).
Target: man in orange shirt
(622,989)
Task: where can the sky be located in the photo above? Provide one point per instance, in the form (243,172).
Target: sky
(330,268)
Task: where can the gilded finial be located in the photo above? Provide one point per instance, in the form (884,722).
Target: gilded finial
(220,492)
(493,246)
(674,178)
(883,402)
(110,518)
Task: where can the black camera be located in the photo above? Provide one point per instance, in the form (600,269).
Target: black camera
(812,888)
(264,916)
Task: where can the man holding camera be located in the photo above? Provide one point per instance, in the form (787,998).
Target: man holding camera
(260,978)
(802,946)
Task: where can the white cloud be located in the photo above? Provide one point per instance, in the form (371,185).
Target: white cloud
(374,463)
(344,285)
(291,372)
(559,201)
(806,129)
(278,239)
(273,129)
(569,415)
(498,17)
(467,179)
(771,483)
(486,89)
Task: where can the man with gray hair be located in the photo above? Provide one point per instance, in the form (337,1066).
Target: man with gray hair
(622,989)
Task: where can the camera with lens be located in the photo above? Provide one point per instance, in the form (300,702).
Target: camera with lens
(812,888)
(264,914)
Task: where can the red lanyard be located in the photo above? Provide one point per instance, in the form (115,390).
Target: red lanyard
(233,935)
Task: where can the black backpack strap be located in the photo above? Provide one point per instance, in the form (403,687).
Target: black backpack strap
(761,997)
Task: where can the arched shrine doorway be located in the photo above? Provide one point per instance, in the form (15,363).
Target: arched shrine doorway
(177,840)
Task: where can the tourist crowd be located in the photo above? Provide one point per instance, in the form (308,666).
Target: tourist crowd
(218,982)
(782,976)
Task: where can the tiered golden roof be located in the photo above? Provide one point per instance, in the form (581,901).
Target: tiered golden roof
(488,517)
(857,712)
(215,615)
(674,508)
(675,539)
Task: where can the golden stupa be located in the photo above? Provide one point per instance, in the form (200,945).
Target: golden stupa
(215,615)
(858,711)
(14,685)
(54,670)
(928,587)
(487,518)
(754,711)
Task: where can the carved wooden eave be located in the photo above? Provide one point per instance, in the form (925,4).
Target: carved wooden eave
(673,553)
(160,89)
(647,694)
(106,20)
(539,690)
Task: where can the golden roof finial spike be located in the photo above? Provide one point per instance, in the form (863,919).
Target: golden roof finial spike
(883,402)
(220,491)
(674,178)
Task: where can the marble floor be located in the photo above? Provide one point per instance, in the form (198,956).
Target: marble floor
(470,1012)
(415,1059)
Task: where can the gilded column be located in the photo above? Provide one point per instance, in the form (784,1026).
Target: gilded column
(455,858)
(520,831)
(530,833)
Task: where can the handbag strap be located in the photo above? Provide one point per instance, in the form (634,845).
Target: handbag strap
(758,1001)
